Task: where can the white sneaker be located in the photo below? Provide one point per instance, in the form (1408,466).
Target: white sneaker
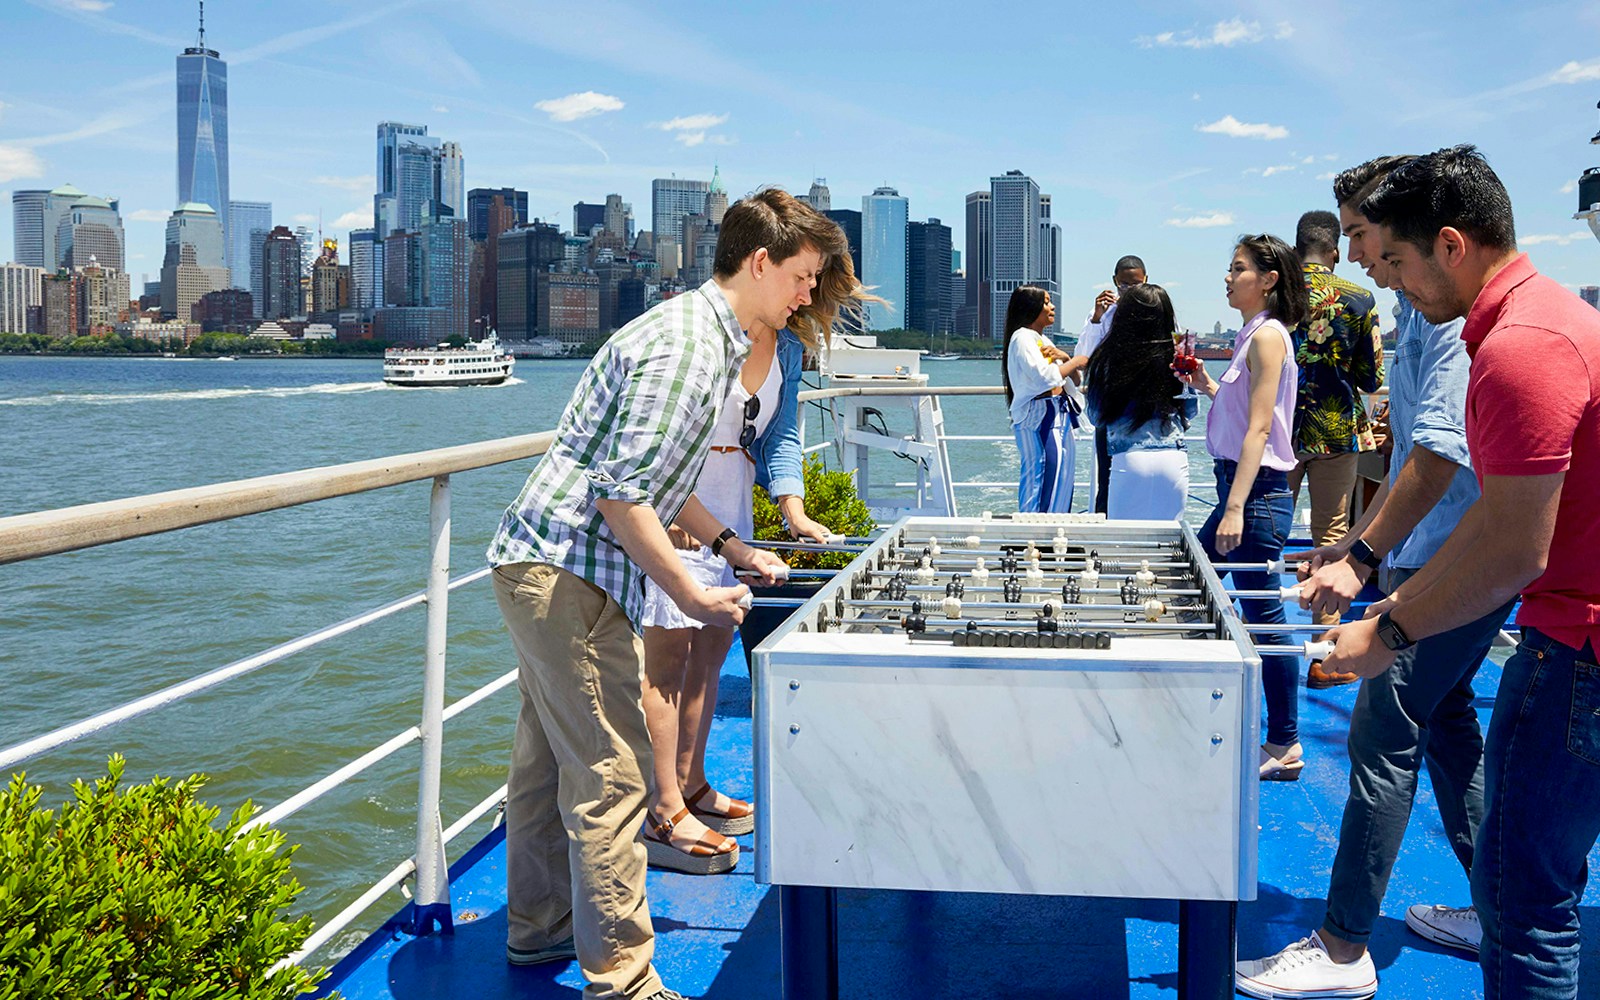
(1450,926)
(1303,971)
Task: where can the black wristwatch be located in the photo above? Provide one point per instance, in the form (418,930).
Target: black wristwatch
(1362,553)
(721,540)
(1392,635)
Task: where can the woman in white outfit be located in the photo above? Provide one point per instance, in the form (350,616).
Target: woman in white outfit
(689,825)
(1042,393)
(1145,410)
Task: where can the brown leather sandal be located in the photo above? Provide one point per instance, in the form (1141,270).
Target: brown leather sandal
(712,854)
(738,820)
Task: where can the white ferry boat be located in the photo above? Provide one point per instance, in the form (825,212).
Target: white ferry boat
(477,363)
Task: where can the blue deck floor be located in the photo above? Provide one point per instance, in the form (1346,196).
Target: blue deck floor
(717,937)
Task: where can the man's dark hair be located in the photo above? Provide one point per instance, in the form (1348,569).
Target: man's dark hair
(1454,187)
(1128,263)
(1130,373)
(1317,233)
(1024,306)
(1351,186)
(1288,301)
(777,220)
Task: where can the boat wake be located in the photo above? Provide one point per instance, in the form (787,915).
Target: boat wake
(184,395)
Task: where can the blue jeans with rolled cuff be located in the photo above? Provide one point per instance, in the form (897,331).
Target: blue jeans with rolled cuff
(1268,513)
(1541,769)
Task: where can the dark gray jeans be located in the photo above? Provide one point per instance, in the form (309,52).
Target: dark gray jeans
(1419,709)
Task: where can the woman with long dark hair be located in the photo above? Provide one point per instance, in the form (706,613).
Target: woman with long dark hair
(1143,407)
(1249,433)
(1042,392)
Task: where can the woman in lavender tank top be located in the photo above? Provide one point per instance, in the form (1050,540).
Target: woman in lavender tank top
(1248,434)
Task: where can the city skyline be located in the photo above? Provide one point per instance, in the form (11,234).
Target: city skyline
(1160,138)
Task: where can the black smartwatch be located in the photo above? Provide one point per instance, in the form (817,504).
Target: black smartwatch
(721,540)
(1362,553)
(1391,635)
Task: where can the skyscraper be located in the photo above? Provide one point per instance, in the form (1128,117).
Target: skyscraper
(452,181)
(928,305)
(716,205)
(362,267)
(20,289)
(1019,257)
(417,177)
(586,216)
(671,199)
(523,254)
(195,261)
(91,229)
(976,312)
(478,202)
(818,197)
(616,217)
(849,220)
(27,228)
(203,129)
(883,256)
(249,222)
(280,264)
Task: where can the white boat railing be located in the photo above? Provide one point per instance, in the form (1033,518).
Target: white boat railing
(36,535)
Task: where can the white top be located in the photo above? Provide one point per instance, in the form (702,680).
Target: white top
(1093,333)
(1030,373)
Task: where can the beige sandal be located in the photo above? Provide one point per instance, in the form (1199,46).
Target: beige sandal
(739,819)
(712,854)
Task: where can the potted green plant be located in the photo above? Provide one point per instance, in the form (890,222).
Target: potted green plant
(831,500)
(135,892)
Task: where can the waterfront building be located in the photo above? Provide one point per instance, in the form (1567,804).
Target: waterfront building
(195,260)
(446,268)
(325,278)
(417,175)
(58,305)
(411,325)
(976,320)
(883,256)
(672,198)
(103,296)
(568,307)
(928,301)
(228,310)
(402,270)
(90,229)
(203,130)
(849,220)
(716,198)
(818,197)
(362,268)
(632,300)
(586,217)
(523,254)
(1047,267)
(480,225)
(500,215)
(249,222)
(280,268)
(27,227)
(1019,256)
(20,290)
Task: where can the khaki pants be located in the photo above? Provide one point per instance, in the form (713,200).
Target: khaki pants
(1332,479)
(574,863)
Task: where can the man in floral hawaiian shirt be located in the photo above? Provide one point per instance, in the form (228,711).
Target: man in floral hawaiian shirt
(1340,357)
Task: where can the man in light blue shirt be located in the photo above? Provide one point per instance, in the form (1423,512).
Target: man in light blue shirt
(1422,707)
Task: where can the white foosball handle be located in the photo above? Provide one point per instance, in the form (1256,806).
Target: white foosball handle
(750,574)
(747,601)
(1278,566)
(1318,650)
(1289,593)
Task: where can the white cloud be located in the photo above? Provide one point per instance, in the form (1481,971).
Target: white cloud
(1559,239)
(1569,187)
(147,215)
(19,161)
(1224,34)
(1330,175)
(1207,220)
(90,6)
(1575,72)
(359,185)
(359,219)
(1309,160)
(1277,168)
(303,218)
(441,109)
(576,106)
(1231,126)
(691,123)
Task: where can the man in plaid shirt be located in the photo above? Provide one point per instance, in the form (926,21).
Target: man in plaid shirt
(570,558)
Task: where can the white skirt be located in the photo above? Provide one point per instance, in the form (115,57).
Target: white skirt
(1149,485)
(706,569)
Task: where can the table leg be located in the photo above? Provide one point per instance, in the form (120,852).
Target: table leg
(808,942)
(1207,935)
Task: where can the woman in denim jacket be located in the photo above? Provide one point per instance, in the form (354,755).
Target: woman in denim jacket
(689,825)
(1145,410)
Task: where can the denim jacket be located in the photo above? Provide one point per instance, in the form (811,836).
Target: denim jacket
(1157,434)
(777,451)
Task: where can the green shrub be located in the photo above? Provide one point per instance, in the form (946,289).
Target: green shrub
(830,500)
(134,893)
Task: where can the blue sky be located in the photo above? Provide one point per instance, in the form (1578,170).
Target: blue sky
(1162,130)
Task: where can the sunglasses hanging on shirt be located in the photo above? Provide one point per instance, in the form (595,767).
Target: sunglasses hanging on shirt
(752,409)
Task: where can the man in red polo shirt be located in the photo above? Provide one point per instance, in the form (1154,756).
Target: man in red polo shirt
(1533,431)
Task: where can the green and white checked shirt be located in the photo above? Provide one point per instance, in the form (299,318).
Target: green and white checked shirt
(637,429)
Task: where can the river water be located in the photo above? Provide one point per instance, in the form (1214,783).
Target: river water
(86,631)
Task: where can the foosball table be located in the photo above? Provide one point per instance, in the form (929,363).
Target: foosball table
(1047,704)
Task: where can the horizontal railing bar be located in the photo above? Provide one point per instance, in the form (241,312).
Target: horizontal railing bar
(14,755)
(975,437)
(902,390)
(311,793)
(28,536)
(475,813)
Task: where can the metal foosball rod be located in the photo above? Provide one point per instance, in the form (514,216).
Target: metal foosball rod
(847,547)
(1310,650)
(1270,566)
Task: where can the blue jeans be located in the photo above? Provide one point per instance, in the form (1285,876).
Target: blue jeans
(1420,709)
(1542,786)
(1268,512)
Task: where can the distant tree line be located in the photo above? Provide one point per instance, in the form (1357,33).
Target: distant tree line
(207,344)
